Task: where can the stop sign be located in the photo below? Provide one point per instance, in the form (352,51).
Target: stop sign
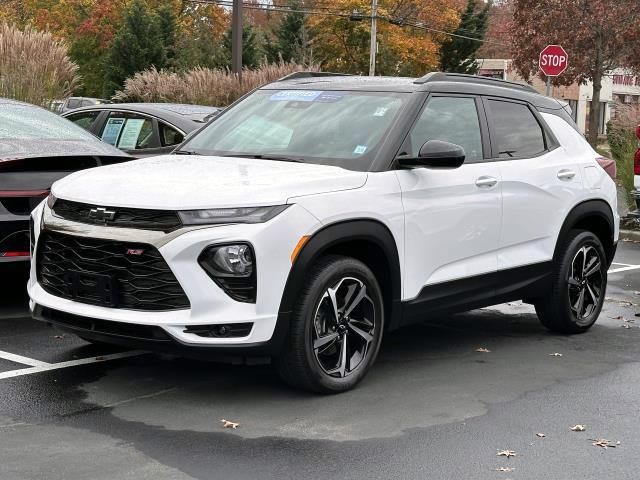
(553,60)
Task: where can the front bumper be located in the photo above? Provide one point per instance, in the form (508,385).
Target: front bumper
(273,243)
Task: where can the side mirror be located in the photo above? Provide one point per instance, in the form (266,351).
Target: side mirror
(435,154)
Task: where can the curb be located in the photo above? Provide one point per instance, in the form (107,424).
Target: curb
(630,235)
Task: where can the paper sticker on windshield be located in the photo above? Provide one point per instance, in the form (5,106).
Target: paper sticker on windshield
(360,149)
(380,111)
(295,96)
(330,97)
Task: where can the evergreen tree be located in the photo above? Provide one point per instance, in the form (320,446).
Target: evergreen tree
(250,50)
(457,54)
(138,44)
(291,38)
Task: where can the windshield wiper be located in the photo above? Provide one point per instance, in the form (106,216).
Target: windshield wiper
(185,152)
(278,158)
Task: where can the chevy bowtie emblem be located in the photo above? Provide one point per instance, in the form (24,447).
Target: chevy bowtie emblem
(101,214)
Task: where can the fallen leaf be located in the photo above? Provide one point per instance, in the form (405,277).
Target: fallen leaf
(541,435)
(555,354)
(578,428)
(506,453)
(483,350)
(505,469)
(228,424)
(619,317)
(626,325)
(604,443)
(58,337)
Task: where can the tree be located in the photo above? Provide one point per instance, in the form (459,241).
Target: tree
(408,41)
(138,45)
(200,42)
(458,54)
(598,35)
(251,54)
(291,37)
(498,37)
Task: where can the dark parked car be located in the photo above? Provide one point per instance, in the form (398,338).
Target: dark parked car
(37,147)
(71,103)
(143,129)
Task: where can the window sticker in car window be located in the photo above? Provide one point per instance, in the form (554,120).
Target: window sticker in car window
(111,130)
(295,95)
(130,133)
(360,149)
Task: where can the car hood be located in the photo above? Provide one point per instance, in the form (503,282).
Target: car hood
(180,182)
(11,149)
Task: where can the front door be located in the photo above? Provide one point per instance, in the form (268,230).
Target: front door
(452,216)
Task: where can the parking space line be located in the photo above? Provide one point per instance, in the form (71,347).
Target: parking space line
(12,357)
(623,264)
(624,269)
(71,363)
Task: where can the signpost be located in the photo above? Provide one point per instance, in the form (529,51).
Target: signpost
(552,62)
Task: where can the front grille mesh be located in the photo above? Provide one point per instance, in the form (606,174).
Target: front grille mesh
(141,281)
(144,219)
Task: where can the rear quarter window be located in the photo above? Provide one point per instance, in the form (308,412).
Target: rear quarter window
(516,130)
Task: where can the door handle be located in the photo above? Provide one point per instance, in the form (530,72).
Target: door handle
(566,174)
(486,182)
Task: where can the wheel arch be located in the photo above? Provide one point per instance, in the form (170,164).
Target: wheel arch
(367,240)
(595,216)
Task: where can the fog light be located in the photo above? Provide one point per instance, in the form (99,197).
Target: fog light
(232,267)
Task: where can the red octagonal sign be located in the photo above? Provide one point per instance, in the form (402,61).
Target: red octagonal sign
(553,60)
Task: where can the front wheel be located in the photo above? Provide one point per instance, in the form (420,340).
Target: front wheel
(579,284)
(336,327)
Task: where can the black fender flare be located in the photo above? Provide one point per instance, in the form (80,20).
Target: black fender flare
(333,235)
(580,213)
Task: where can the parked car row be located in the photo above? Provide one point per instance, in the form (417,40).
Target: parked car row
(38,147)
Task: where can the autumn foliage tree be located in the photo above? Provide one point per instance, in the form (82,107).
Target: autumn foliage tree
(407,42)
(598,35)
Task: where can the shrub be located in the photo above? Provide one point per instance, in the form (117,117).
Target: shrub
(623,143)
(203,86)
(34,67)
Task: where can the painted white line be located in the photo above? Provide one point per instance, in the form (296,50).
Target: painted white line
(624,269)
(71,363)
(623,264)
(24,360)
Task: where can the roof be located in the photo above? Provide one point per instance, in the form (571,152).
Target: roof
(184,116)
(435,82)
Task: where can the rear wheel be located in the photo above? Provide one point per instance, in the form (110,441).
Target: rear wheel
(579,285)
(336,328)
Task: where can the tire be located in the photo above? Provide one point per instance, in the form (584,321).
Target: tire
(561,310)
(314,323)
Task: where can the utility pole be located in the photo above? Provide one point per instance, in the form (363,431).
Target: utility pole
(236,39)
(374,41)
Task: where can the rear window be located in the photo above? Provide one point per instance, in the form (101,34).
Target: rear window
(24,122)
(516,130)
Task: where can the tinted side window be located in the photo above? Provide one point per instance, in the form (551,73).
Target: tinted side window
(73,103)
(129,131)
(169,136)
(85,119)
(450,119)
(516,130)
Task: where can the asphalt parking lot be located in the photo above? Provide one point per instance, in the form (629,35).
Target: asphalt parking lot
(433,407)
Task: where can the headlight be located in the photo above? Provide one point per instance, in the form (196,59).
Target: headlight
(51,200)
(232,268)
(230,215)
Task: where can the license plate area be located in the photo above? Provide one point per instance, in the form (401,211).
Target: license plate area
(92,288)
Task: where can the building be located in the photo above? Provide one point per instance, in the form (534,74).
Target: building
(618,87)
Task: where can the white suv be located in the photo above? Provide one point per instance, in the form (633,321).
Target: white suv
(319,212)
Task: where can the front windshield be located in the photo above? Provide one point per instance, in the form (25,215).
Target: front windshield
(327,127)
(26,122)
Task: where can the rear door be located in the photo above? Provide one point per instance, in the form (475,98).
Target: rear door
(452,216)
(540,183)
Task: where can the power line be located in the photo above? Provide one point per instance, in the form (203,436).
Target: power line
(337,13)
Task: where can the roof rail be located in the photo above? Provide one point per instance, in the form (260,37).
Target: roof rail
(306,74)
(460,77)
